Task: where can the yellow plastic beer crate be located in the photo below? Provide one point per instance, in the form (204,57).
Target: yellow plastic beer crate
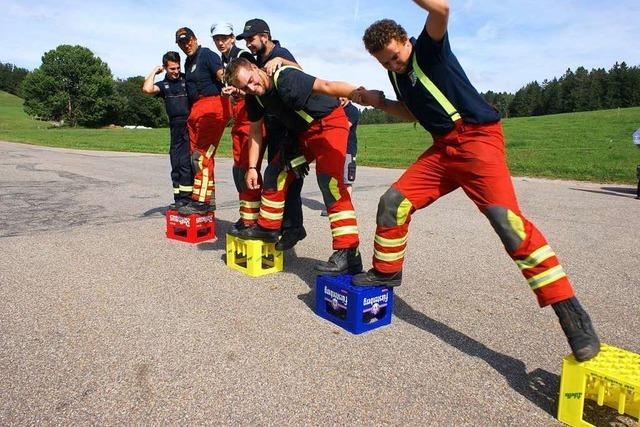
(253,257)
(612,378)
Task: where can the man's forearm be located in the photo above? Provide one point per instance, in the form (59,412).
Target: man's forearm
(398,109)
(437,18)
(255,142)
(148,86)
(335,89)
(440,7)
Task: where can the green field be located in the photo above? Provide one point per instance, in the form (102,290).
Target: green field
(590,146)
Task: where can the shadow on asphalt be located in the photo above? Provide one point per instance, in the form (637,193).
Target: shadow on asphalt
(313,204)
(628,192)
(539,386)
(220,243)
(159,211)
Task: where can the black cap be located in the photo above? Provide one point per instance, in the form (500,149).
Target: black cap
(184,34)
(253,27)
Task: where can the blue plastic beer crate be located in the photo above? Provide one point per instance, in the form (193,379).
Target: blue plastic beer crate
(354,308)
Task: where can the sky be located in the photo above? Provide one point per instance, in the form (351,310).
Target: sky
(502,45)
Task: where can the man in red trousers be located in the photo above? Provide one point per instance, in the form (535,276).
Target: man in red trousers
(467,152)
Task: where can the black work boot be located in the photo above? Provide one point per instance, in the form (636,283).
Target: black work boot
(341,261)
(290,237)
(255,232)
(239,225)
(196,208)
(180,203)
(577,327)
(375,278)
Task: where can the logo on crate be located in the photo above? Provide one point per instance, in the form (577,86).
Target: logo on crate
(337,299)
(374,304)
(201,219)
(177,219)
(575,395)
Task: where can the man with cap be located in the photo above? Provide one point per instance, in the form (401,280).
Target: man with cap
(173,89)
(209,115)
(468,153)
(257,36)
(310,110)
(224,40)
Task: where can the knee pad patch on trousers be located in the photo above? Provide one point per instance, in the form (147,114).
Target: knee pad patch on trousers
(393,208)
(238,179)
(329,188)
(508,226)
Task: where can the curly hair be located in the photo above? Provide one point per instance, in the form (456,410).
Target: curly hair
(380,33)
(231,72)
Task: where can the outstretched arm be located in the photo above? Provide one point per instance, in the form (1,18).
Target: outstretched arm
(335,89)
(148,87)
(437,18)
(376,99)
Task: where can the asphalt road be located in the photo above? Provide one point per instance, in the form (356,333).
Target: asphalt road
(103,320)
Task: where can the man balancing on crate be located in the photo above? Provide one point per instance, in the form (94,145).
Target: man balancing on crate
(309,108)
(467,152)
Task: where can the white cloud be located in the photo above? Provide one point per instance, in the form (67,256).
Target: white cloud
(502,45)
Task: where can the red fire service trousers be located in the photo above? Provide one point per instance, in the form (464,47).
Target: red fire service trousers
(471,157)
(249,199)
(326,143)
(207,120)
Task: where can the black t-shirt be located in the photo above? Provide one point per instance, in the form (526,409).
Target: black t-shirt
(201,69)
(292,93)
(440,65)
(236,52)
(174,93)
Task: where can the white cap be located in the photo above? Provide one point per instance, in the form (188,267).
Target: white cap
(221,28)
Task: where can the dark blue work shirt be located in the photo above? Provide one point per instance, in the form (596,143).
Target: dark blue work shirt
(174,93)
(277,52)
(441,66)
(293,93)
(201,71)
(236,52)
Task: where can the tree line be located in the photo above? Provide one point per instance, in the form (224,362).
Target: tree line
(578,90)
(11,78)
(74,86)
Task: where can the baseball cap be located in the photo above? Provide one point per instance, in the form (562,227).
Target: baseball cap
(221,28)
(184,34)
(253,27)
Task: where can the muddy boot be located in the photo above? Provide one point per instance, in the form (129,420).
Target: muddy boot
(375,278)
(341,261)
(577,327)
(255,232)
(290,237)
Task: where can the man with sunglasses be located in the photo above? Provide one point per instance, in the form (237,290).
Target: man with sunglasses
(209,115)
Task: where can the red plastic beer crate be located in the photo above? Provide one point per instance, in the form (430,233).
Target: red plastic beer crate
(194,228)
